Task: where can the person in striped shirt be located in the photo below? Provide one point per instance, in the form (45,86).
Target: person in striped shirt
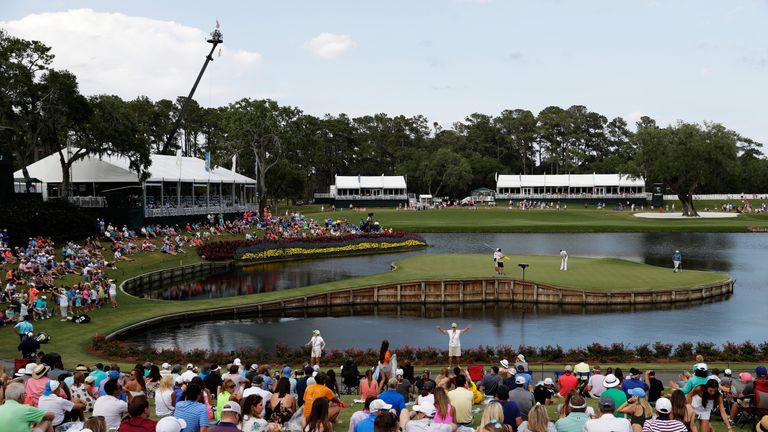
(662,422)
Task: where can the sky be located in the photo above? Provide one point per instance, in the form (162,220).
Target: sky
(672,60)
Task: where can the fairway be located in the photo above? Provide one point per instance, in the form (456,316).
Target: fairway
(574,219)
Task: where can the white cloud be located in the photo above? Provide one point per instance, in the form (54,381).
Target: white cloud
(131,56)
(632,118)
(330,45)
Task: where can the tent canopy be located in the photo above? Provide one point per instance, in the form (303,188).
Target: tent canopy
(568,180)
(116,169)
(370,182)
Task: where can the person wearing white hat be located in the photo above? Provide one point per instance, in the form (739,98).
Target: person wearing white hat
(189,374)
(521,361)
(170,424)
(317,345)
(677,258)
(504,369)
(663,422)
(563,260)
(231,413)
(63,409)
(498,261)
(376,408)
(454,343)
(612,390)
(165,369)
(421,420)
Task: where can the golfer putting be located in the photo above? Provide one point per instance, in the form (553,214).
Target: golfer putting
(454,343)
(563,260)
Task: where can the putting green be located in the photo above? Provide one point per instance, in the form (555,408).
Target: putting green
(605,274)
(72,340)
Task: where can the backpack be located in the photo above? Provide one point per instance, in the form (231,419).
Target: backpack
(81,319)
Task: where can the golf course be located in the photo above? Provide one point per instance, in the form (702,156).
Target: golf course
(600,275)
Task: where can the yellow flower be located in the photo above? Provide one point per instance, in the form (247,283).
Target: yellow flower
(296,251)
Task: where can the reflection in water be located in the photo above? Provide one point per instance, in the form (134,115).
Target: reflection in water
(741,255)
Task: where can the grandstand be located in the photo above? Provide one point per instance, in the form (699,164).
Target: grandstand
(366,191)
(575,187)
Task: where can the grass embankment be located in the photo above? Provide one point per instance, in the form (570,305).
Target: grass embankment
(574,219)
(71,340)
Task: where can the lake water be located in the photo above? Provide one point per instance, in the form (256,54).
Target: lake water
(735,318)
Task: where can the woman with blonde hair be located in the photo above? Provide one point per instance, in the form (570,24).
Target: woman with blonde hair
(538,421)
(493,419)
(96,424)
(637,407)
(165,397)
(445,413)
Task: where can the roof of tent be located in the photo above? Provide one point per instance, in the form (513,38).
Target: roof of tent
(370,182)
(568,180)
(116,169)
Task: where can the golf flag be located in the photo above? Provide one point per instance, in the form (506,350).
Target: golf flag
(208,161)
(234,164)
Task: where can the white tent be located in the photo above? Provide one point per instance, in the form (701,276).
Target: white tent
(223,189)
(545,185)
(115,169)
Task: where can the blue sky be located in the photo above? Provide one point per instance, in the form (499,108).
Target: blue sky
(689,60)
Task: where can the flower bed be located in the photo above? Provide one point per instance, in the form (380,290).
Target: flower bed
(594,353)
(266,250)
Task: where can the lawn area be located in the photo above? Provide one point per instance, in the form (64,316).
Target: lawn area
(575,219)
(71,340)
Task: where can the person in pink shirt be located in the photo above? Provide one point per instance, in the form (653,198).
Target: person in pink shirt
(567,381)
(36,385)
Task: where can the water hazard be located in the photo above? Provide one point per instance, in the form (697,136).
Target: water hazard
(741,255)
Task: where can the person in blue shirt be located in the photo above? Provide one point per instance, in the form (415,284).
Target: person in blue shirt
(194,413)
(512,414)
(634,381)
(393,397)
(677,258)
(376,408)
(523,373)
(23,328)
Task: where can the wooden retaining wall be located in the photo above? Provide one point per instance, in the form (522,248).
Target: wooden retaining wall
(136,285)
(434,292)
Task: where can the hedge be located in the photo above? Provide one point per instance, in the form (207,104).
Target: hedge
(614,353)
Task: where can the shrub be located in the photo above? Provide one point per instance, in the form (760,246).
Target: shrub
(487,355)
(684,351)
(662,350)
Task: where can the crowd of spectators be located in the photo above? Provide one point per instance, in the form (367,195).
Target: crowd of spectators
(263,398)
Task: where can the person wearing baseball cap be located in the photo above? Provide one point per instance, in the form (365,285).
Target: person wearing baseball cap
(230,418)
(421,420)
(607,421)
(454,343)
(567,381)
(634,381)
(762,425)
(700,376)
(663,422)
(170,424)
(376,408)
(636,407)
(612,391)
(524,399)
(317,345)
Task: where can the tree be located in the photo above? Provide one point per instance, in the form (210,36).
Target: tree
(685,157)
(258,126)
(448,170)
(22,65)
(518,130)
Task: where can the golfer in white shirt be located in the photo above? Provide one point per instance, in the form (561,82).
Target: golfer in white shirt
(318,345)
(454,343)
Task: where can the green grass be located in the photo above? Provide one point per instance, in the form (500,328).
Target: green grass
(575,219)
(71,340)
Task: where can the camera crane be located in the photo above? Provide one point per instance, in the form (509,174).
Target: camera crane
(215,38)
